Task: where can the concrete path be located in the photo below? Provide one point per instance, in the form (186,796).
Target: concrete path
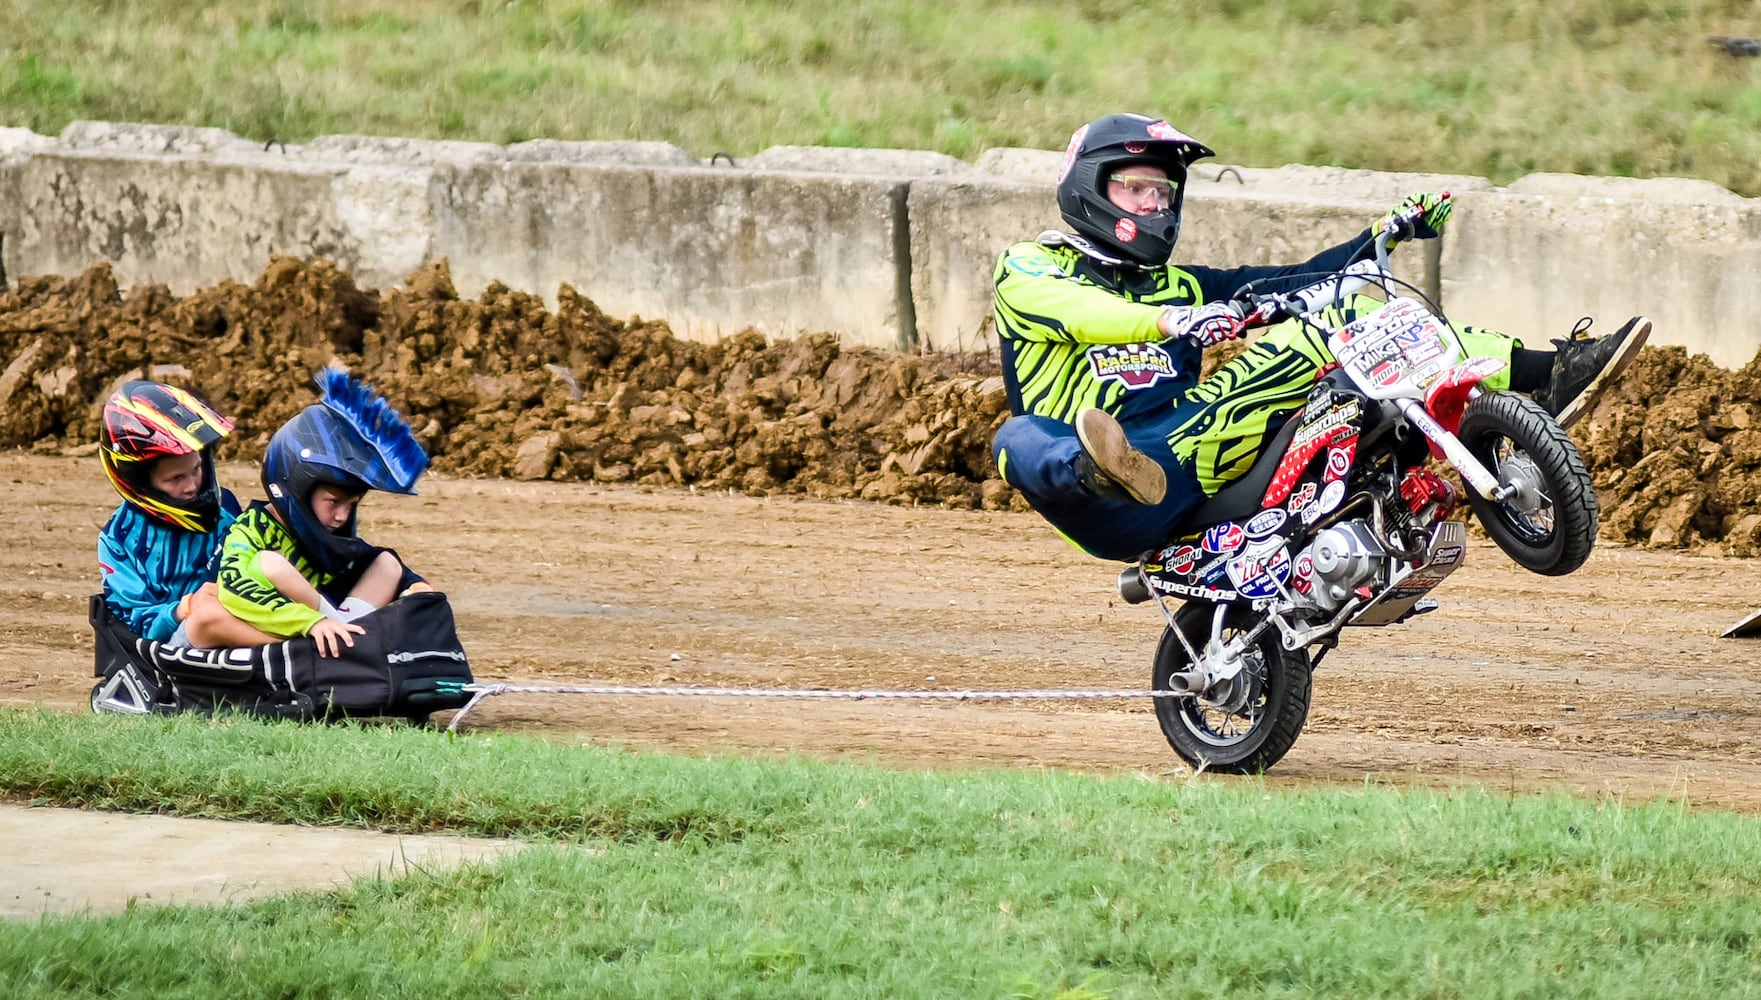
(72,860)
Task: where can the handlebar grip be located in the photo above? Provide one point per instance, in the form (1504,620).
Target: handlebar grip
(1403,228)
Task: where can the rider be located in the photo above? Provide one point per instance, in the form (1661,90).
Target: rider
(1112,436)
(296,564)
(157,551)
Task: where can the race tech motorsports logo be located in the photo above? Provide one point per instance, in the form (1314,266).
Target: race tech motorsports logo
(1136,365)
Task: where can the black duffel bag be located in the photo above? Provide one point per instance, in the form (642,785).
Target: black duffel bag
(409,663)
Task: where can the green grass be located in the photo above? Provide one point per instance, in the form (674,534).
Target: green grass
(675,877)
(1497,88)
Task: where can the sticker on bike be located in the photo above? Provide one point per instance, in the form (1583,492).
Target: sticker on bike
(1260,568)
(1265,523)
(1397,349)
(1223,538)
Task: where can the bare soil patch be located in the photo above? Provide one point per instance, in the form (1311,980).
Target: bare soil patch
(69,861)
(1610,681)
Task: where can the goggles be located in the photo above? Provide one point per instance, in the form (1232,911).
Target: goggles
(1141,187)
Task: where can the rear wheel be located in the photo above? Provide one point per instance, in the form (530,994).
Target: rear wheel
(1548,525)
(1256,720)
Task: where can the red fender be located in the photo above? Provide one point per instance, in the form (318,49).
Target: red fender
(1448,396)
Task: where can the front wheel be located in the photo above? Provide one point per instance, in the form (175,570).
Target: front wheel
(1548,524)
(1257,720)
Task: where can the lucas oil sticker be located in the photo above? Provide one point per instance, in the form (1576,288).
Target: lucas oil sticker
(1260,568)
(1134,365)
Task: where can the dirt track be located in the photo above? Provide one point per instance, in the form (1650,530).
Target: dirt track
(1610,681)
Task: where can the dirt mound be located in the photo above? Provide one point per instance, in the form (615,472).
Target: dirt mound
(1676,452)
(502,386)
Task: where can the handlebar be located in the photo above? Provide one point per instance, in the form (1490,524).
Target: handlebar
(1264,309)
(1267,308)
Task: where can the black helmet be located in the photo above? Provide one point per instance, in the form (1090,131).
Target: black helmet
(353,440)
(147,421)
(1102,147)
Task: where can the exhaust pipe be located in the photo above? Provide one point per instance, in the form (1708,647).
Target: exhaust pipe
(1190,682)
(1134,586)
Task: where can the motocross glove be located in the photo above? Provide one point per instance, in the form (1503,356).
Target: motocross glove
(1425,213)
(1207,325)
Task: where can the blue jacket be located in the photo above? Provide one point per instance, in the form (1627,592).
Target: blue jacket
(148,566)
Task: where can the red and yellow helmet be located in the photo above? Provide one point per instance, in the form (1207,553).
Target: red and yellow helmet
(148,421)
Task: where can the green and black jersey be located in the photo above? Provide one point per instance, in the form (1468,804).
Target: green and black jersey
(1077,332)
(247,593)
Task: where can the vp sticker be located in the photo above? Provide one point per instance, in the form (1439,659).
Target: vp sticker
(1223,538)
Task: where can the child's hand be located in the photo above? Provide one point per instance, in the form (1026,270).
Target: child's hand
(331,635)
(419,587)
(208,594)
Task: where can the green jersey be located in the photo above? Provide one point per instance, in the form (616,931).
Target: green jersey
(1077,331)
(246,591)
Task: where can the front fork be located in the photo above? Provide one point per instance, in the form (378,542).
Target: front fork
(1439,417)
(1477,476)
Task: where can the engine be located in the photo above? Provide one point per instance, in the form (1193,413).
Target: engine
(1344,557)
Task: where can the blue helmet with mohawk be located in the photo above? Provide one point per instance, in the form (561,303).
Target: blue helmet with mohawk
(351,439)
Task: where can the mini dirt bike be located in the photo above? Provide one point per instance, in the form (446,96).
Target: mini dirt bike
(1341,523)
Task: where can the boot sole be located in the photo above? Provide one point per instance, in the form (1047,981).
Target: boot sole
(1616,366)
(1104,441)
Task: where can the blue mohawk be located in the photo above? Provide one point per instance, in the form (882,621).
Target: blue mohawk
(380,426)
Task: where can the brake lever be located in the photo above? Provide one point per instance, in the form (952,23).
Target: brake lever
(1267,309)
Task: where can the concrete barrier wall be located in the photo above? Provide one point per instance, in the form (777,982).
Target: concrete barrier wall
(1534,257)
(711,251)
(191,221)
(890,248)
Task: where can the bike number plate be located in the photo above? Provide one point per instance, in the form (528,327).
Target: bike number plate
(1397,350)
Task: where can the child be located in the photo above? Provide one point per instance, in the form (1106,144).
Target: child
(295,565)
(158,551)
